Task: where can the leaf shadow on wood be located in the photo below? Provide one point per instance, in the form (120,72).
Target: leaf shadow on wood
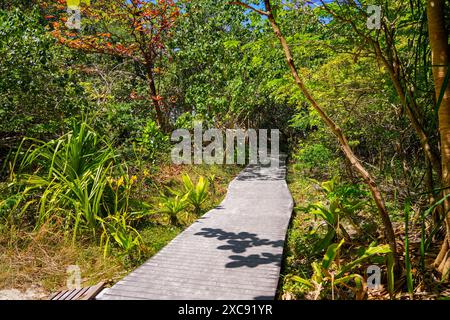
(240,243)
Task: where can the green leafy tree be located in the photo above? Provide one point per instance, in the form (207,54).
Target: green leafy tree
(39,91)
(136,30)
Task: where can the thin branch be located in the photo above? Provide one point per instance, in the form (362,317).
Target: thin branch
(239,3)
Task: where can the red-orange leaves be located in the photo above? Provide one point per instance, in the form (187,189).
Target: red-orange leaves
(157,98)
(135,29)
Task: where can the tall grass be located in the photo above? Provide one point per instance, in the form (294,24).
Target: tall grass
(69,175)
(76,179)
(408,265)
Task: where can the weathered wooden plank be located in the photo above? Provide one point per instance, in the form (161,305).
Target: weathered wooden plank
(195,292)
(263,281)
(80,293)
(72,294)
(66,293)
(87,293)
(92,292)
(56,295)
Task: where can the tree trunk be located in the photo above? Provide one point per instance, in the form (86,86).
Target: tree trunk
(429,183)
(420,132)
(440,54)
(393,64)
(154,96)
(410,105)
(366,176)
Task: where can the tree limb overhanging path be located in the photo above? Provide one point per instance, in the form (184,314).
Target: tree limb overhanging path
(232,252)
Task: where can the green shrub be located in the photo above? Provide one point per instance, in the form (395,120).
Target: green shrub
(38,91)
(343,201)
(117,229)
(330,276)
(192,194)
(121,122)
(315,157)
(152,141)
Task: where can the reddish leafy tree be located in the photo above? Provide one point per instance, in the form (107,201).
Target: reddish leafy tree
(134,29)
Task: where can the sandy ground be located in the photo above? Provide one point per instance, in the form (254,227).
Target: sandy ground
(33,293)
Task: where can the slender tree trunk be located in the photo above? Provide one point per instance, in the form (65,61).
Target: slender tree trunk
(356,164)
(154,96)
(440,55)
(420,132)
(409,107)
(393,65)
(429,183)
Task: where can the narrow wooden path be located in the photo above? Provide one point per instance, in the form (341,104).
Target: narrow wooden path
(233,252)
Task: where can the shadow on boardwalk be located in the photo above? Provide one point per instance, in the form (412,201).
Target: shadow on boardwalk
(239,243)
(260,173)
(233,252)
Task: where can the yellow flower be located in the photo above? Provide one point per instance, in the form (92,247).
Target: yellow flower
(146,173)
(133,179)
(120,182)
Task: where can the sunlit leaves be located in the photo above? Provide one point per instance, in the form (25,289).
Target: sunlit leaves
(135,29)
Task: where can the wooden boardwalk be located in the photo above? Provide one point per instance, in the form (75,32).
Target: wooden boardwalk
(233,252)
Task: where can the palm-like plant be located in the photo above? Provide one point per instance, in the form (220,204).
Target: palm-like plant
(117,229)
(330,275)
(343,203)
(196,194)
(172,207)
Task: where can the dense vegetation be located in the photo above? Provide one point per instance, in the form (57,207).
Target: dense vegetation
(86,117)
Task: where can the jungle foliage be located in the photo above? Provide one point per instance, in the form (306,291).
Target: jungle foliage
(86,117)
